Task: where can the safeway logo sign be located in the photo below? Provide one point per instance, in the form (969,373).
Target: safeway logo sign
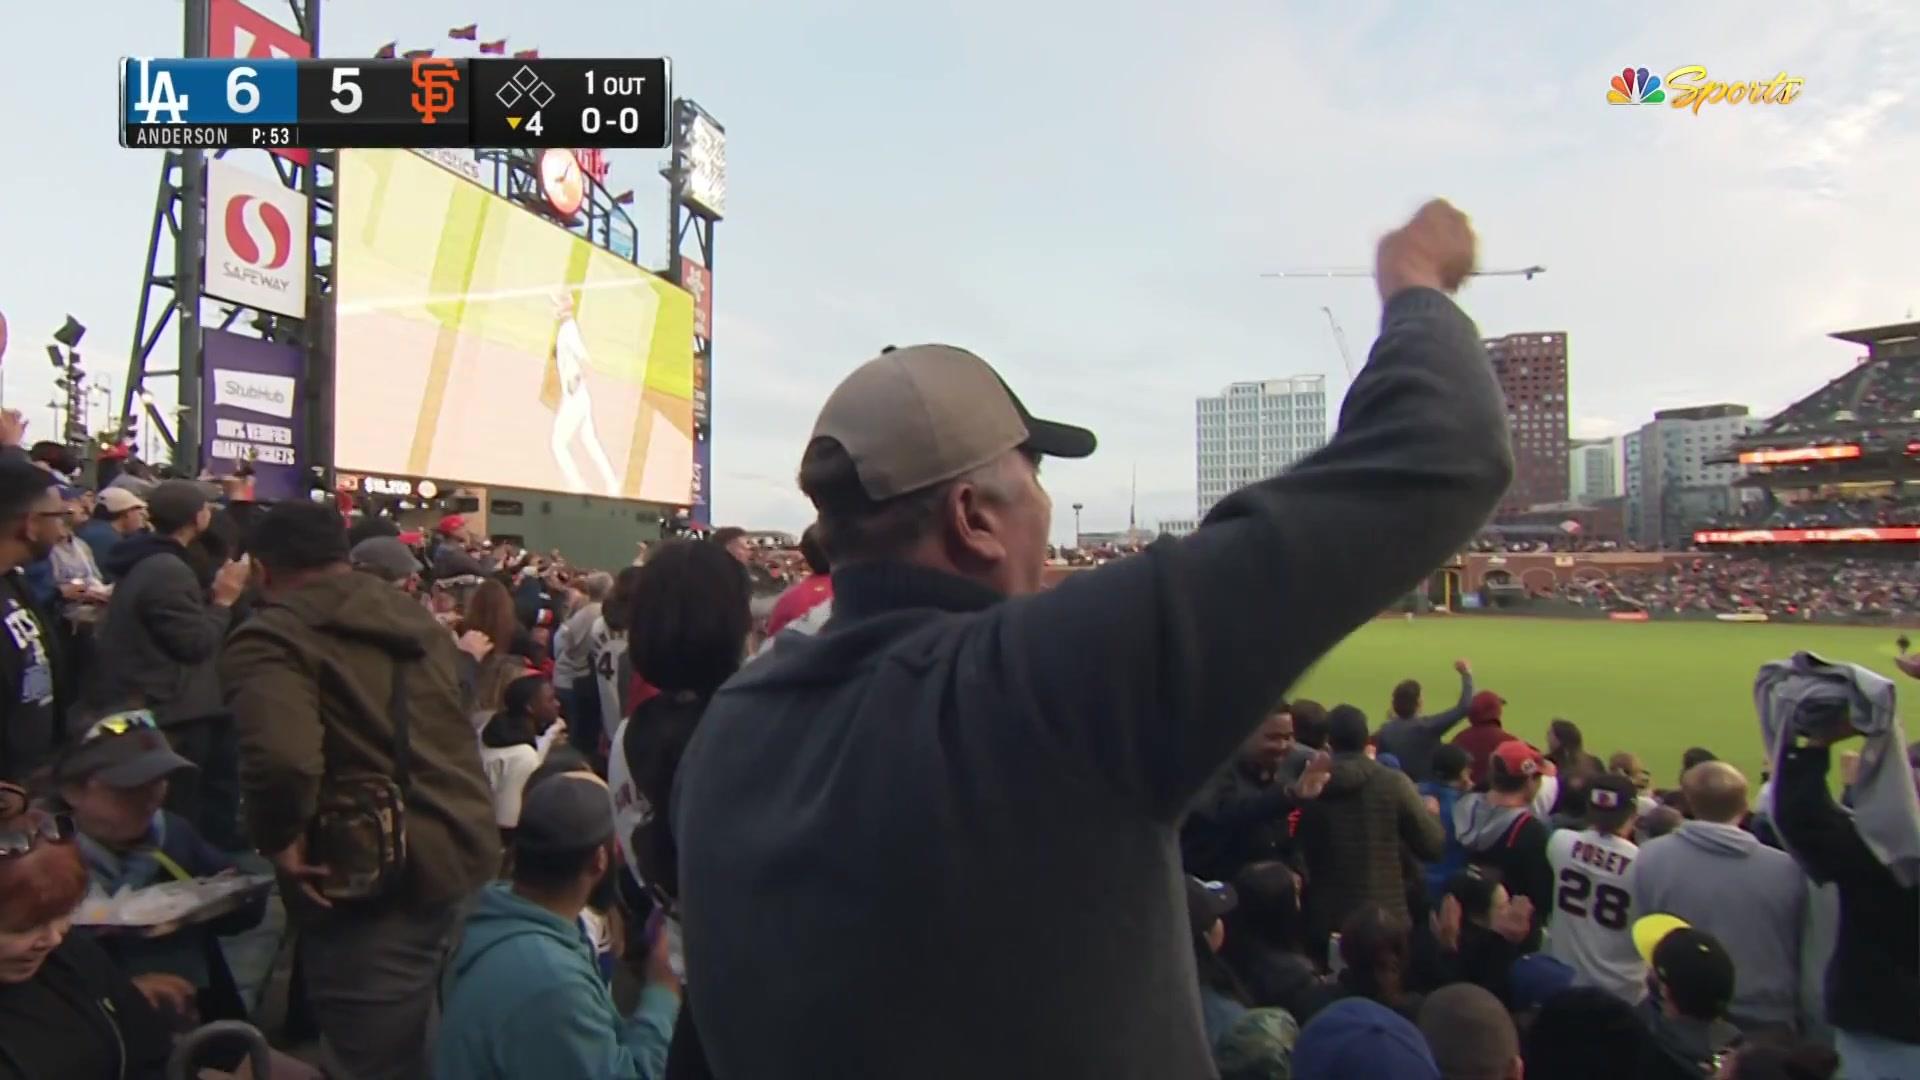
(251,390)
(248,221)
(256,241)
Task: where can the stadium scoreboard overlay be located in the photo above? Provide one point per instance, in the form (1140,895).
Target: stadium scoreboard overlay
(418,103)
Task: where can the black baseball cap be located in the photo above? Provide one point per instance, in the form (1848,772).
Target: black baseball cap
(122,751)
(1611,799)
(1208,902)
(1691,963)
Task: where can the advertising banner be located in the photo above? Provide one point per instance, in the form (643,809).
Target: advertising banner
(698,280)
(706,151)
(256,241)
(1865,534)
(702,410)
(702,514)
(251,411)
(236,31)
(1841,452)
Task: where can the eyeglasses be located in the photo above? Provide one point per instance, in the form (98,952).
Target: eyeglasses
(22,834)
(120,723)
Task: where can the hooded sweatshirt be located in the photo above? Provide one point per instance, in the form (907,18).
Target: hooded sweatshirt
(1512,840)
(1453,857)
(1482,736)
(1353,835)
(1749,896)
(523,999)
(159,638)
(310,680)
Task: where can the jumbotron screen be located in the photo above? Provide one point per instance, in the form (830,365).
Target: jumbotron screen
(476,342)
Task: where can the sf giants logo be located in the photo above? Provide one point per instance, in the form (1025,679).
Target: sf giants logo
(433,78)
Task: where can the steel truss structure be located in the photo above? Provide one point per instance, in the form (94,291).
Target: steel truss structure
(172,291)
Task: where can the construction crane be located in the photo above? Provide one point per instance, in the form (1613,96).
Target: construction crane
(1526,272)
(1340,339)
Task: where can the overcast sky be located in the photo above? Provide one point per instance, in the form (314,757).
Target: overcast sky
(1086,192)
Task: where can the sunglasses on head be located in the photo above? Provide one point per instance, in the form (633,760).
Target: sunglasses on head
(22,834)
(119,724)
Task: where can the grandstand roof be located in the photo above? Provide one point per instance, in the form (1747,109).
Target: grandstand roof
(1877,399)
(1880,335)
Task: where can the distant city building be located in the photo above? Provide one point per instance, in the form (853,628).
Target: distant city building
(1253,430)
(1116,539)
(1678,473)
(1594,470)
(1532,370)
(1179,526)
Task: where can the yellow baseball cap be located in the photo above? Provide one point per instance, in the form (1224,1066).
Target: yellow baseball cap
(1650,930)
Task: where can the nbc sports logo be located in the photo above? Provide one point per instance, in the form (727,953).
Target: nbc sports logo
(1636,86)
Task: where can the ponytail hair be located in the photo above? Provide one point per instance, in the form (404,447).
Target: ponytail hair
(689,619)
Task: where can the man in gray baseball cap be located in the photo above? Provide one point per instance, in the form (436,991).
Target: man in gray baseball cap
(388,559)
(959,740)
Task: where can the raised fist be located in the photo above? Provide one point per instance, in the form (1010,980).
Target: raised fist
(1435,250)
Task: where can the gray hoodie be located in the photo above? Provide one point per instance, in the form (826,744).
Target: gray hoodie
(1749,896)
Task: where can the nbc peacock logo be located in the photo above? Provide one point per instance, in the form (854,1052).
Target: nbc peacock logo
(1636,86)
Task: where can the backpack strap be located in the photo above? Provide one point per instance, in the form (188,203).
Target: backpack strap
(402,745)
(1513,831)
(397,709)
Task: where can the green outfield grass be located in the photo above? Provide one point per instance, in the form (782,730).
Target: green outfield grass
(1654,688)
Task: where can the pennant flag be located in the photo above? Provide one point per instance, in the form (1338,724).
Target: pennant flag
(387,51)
(417,54)
(527,54)
(494,48)
(465,33)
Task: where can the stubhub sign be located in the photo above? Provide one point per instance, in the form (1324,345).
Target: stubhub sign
(252,412)
(251,390)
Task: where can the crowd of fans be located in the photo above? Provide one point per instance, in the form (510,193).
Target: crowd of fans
(1482,908)
(1891,394)
(1780,588)
(517,820)
(413,732)
(1497,543)
(1880,393)
(1825,513)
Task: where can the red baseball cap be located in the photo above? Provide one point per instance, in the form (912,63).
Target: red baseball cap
(450,524)
(1486,705)
(1516,758)
(414,538)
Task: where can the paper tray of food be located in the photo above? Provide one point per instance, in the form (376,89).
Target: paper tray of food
(163,907)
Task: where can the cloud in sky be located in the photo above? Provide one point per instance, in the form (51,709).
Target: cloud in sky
(1087,196)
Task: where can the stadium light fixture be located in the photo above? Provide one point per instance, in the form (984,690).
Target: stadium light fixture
(70,333)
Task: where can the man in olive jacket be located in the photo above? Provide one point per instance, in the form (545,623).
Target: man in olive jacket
(310,679)
(1355,835)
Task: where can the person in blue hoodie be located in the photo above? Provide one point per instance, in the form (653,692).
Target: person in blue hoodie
(1450,780)
(523,999)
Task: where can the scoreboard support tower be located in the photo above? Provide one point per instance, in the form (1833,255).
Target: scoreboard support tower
(688,220)
(173,271)
(173,287)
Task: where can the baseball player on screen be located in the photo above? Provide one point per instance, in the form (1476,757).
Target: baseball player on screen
(573,417)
